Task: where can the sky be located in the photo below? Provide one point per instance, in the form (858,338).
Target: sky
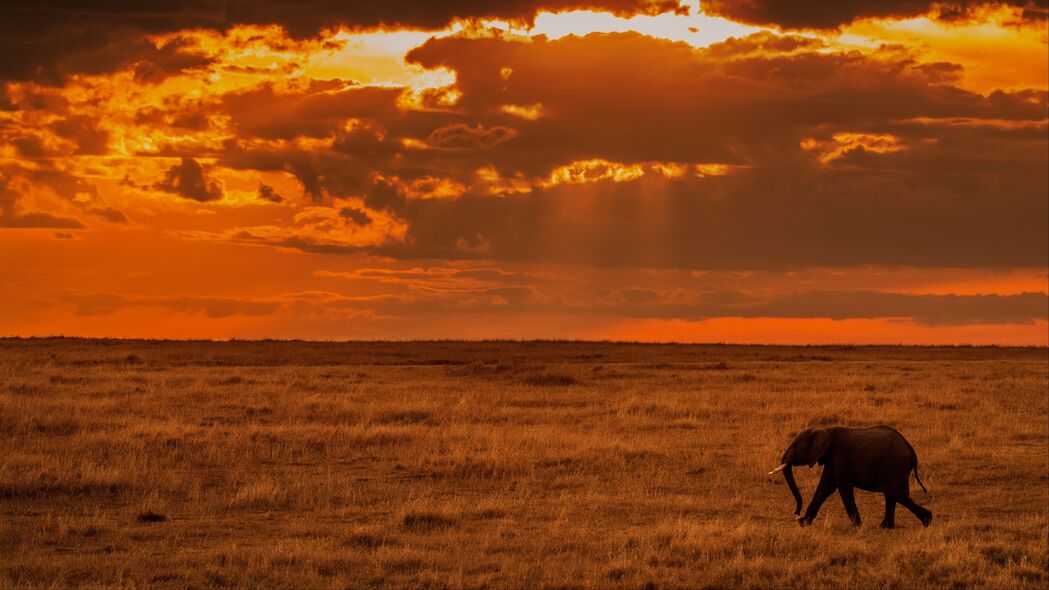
(765,171)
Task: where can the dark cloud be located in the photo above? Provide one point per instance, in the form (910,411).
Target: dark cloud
(169,60)
(761,42)
(30,146)
(56,39)
(366,141)
(93,304)
(178,113)
(836,305)
(355,215)
(306,18)
(109,214)
(688,305)
(697,106)
(37,219)
(319,171)
(304,243)
(187,179)
(85,132)
(11,213)
(926,309)
(235,155)
(449,278)
(464,137)
(266,193)
(791,14)
(947,177)
(38,98)
(315,111)
(386,196)
(6,102)
(424,302)
(761,218)
(83,135)
(963,183)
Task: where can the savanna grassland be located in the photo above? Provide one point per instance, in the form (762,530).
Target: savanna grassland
(265,464)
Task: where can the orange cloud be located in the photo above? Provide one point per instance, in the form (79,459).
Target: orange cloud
(791,15)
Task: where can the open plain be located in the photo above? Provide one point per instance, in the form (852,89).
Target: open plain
(503,464)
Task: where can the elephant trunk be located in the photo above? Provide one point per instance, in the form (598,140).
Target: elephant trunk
(788,474)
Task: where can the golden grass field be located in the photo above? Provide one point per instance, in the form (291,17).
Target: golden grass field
(498,464)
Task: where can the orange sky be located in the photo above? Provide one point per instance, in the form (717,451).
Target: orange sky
(610,169)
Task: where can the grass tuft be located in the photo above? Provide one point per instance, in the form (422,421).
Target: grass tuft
(150,516)
(426,521)
(550,380)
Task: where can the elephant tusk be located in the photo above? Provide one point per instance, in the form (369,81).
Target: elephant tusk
(778,469)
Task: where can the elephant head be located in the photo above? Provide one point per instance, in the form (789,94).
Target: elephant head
(808,448)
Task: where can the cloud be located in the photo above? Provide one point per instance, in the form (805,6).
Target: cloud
(836,305)
(449,279)
(355,215)
(385,195)
(266,193)
(762,42)
(12,215)
(948,192)
(827,15)
(760,219)
(85,132)
(109,214)
(61,39)
(926,309)
(421,302)
(699,106)
(680,304)
(317,110)
(308,17)
(745,104)
(317,170)
(321,229)
(670,295)
(94,304)
(37,219)
(464,137)
(56,40)
(186,179)
(172,58)
(766,152)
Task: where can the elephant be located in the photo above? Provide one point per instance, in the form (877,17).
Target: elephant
(876,459)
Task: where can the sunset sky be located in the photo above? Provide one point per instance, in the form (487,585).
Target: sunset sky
(759,171)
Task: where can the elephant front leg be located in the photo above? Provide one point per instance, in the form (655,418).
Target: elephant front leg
(823,491)
(848,498)
(890,513)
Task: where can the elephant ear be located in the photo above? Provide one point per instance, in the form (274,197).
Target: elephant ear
(819,446)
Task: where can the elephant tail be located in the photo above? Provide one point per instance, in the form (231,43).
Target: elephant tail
(914,455)
(916,478)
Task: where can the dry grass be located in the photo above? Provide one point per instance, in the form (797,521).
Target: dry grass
(167,464)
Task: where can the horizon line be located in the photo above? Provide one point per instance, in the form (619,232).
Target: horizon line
(846,345)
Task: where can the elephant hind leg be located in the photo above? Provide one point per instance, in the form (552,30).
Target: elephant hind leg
(890,513)
(923,514)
